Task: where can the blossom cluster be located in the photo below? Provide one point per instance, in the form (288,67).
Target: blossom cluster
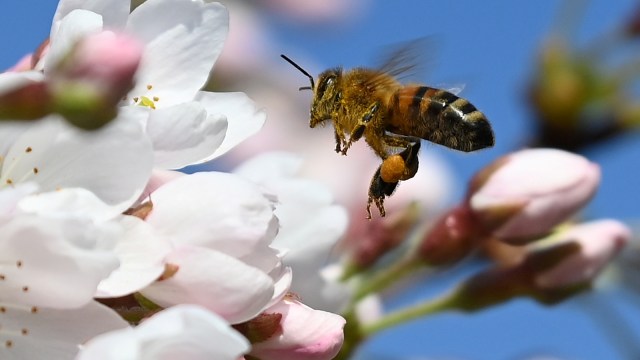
(107,253)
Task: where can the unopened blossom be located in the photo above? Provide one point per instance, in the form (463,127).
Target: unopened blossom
(523,195)
(303,334)
(182,332)
(24,96)
(89,82)
(600,241)
(452,237)
(550,272)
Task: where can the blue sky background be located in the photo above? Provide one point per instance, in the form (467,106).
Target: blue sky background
(491,47)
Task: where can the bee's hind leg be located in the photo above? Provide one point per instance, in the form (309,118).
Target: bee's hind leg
(393,169)
(378,190)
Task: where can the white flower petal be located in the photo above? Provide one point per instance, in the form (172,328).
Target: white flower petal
(219,282)
(55,263)
(184,134)
(272,166)
(310,226)
(182,332)
(114,162)
(11,196)
(114,13)
(242,116)
(216,210)
(73,27)
(41,333)
(282,277)
(184,39)
(141,252)
(70,202)
(10,81)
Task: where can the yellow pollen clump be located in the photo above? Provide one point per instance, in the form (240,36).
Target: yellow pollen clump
(145,101)
(392,169)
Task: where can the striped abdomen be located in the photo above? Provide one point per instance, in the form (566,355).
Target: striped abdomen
(438,116)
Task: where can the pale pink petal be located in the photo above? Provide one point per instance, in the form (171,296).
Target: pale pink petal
(114,13)
(243,118)
(73,255)
(184,134)
(216,281)
(99,161)
(217,210)
(43,333)
(142,253)
(306,334)
(158,178)
(183,332)
(543,186)
(178,59)
(600,241)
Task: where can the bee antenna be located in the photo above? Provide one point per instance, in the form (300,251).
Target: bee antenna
(301,70)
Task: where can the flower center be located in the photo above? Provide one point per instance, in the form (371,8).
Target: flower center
(147,100)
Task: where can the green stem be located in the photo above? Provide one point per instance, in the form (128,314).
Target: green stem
(446,302)
(386,277)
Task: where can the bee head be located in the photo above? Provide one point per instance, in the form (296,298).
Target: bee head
(326,96)
(325,93)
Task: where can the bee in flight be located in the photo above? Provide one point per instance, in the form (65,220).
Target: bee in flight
(393,118)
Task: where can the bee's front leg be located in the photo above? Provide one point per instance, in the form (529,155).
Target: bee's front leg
(358,131)
(339,141)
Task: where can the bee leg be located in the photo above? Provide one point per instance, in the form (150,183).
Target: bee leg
(403,169)
(409,156)
(338,141)
(378,190)
(358,131)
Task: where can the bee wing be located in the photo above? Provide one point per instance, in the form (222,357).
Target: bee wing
(454,89)
(408,59)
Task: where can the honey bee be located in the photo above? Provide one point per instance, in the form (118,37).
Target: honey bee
(393,118)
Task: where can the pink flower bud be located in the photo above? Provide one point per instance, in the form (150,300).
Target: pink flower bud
(378,236)
(599,241)
(452,237)
(548,274)
(522,196)
(306,334)
(23,64)
(23,97)
(96,74)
